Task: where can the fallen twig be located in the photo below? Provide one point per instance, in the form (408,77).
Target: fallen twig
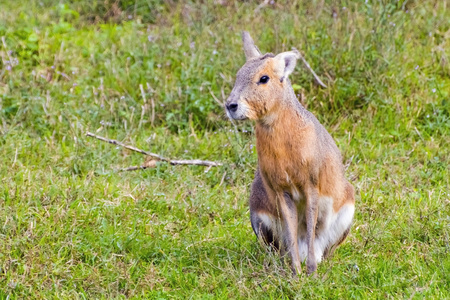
(197,162)
(148,164)
(133,168)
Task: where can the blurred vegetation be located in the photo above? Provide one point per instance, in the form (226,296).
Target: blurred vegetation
(73,227)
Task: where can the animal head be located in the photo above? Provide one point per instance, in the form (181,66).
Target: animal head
(260,83)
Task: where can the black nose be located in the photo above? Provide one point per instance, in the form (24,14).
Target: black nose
(232,107)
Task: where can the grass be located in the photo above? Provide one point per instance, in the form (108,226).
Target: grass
(73,227)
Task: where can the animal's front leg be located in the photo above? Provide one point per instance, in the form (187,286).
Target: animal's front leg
(289,216)
(312,199)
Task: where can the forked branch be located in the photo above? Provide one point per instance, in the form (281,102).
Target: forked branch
(197,162)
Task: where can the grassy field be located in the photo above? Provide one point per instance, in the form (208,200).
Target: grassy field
(72,226)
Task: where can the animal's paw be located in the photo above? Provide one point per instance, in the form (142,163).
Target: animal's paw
(311,266)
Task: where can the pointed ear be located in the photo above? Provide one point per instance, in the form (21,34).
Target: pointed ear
(251,51)
(285,63)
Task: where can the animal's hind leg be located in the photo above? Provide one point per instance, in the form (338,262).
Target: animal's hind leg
(337,231)
(340,227)
(265,228)
(331,248)
(262,214)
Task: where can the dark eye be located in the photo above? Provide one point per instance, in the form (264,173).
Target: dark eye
(264,79)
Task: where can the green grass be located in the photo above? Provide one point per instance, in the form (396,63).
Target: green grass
(71,226)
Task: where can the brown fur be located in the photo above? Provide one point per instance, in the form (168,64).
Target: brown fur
(298,161)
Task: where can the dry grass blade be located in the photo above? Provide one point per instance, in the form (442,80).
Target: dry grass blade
(319,82)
